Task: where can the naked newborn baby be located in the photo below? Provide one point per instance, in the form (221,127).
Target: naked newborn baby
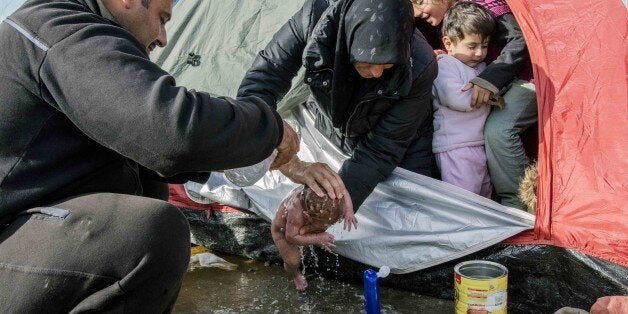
(302,219)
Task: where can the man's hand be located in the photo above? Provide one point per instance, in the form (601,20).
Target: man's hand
(288,147)
(315,175)
(480,97)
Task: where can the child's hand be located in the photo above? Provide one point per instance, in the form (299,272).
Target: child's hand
(349,220)
(327,241)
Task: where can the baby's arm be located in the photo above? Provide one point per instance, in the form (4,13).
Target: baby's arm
(324,239)
(296,220)
(349,216)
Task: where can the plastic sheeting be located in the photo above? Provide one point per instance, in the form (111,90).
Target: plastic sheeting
(541,278)
(410,222)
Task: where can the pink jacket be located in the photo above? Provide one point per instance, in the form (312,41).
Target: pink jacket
(455,123)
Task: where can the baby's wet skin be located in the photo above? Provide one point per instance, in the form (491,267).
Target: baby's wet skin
(320,211)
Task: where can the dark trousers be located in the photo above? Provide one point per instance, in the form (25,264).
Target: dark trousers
(98,252)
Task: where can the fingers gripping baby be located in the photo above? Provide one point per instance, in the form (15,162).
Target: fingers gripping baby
(302,219)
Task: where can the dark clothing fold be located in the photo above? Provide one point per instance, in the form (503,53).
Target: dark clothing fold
(100,252)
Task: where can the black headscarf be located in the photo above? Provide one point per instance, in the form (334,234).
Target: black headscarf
(379,31)
(371,31)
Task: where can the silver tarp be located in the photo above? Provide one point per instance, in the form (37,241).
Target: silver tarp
(410,222)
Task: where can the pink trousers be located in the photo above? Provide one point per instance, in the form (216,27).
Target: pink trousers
(465,167)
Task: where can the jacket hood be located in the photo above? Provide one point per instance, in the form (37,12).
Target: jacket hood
(372,31)
(379,31)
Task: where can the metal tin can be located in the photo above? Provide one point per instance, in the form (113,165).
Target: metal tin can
(480,287)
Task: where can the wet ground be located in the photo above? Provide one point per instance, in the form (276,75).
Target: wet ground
(258,288)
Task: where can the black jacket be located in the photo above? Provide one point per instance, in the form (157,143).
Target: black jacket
(83,108)
(377,119)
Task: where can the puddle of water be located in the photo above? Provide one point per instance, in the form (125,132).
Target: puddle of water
(256,288)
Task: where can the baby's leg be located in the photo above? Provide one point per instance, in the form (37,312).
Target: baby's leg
(291,263)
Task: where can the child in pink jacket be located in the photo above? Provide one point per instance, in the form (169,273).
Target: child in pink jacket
(458,141)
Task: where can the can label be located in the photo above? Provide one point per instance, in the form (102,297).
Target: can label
(480,294)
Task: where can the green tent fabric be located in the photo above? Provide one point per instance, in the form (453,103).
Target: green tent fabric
(224,37)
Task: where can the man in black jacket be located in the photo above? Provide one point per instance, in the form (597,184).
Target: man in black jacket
(370,74)
(87,121)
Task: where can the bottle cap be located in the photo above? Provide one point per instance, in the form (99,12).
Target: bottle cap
(383,272)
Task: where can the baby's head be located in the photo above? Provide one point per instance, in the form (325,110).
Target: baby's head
(467,28)
(323,211)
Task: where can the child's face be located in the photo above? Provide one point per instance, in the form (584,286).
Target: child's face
(432,11)
(471,50)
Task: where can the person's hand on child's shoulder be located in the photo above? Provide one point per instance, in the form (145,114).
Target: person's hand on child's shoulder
(480,97)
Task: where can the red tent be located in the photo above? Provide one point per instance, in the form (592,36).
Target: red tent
(578,51)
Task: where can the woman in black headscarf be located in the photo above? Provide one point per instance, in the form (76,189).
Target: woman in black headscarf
(370,74)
